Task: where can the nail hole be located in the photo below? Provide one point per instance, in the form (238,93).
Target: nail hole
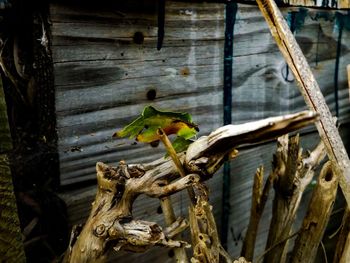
(151,94)
(122,54)
(138,38)
(159,210)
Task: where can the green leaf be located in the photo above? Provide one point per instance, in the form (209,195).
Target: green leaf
(144,128)
(181,144)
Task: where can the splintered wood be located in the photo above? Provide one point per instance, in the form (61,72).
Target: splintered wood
(111,223)
(293,171)
(310,90)
(316,219)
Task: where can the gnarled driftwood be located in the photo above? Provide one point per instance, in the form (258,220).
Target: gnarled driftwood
(111,224)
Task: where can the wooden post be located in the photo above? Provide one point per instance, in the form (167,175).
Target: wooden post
(310,91)
(316,219)
(293,171)
(11,245)
(342,251)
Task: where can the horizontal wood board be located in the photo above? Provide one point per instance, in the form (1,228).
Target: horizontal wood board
(102,77)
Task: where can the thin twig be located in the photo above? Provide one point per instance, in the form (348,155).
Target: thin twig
(172,153)
(324,252)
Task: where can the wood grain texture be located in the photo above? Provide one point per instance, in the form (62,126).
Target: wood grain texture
(102,78)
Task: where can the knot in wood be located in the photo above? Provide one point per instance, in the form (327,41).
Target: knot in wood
(100,230)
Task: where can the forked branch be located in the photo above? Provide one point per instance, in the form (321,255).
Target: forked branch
(111,223)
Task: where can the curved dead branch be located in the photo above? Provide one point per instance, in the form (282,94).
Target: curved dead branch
(111,223)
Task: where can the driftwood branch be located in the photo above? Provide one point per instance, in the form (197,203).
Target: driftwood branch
(111,223)
(310,91)
(294,171)
(317,216)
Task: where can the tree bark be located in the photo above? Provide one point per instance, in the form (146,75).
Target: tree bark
(316,219)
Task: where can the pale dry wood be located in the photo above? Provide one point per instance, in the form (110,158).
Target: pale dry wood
(259,198)
(205,239)
(111,223)
(255,214)
(208,153)
(170,218)
(294,171)
(316,219)
(343,4)
(167,207)
(342,250)
(172,153)
(241,260)
(310,91)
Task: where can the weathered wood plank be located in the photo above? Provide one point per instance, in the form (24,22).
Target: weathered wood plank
(102,78)
(102,81)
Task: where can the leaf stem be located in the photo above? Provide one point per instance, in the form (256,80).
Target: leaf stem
(172,153)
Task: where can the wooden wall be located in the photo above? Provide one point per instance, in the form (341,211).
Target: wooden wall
(104,71)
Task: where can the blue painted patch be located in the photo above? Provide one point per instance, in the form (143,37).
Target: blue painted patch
(342,21)
(296,19)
